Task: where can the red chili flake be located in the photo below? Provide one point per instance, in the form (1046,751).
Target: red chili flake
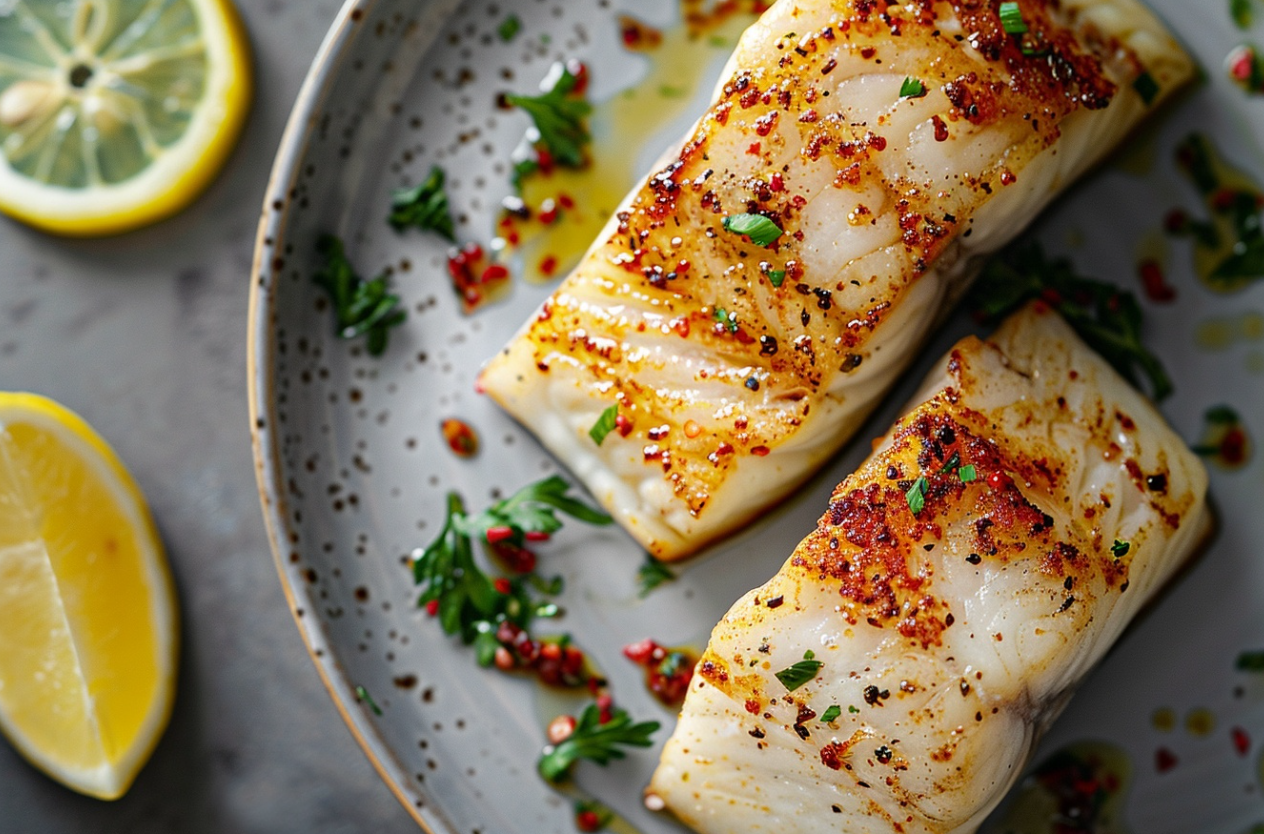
(776,182)
(1164,760)
(681,326)
(1241,63)
(588,820)
(1152,279)
(640,651)
(868,52)
(566,201)
(561,728)
(682,267)
(432,607)
(580,70)
(544,159)
(1241,741)
(1008,177)
(461,439)
(941,129)
(499,534)
(760,451)
(754,149)
(548,266)
(1233,447)
(605,704)
(999,480)
(517,559)
(548,212)
(1224,199)
(622,425)
(537,536)
(502,586)
(494,273)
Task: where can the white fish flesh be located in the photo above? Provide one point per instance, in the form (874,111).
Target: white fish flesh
(874,153)
(953,616)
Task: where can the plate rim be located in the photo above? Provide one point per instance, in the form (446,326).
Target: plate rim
(260,373)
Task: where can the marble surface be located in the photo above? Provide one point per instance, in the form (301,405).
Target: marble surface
(145,336)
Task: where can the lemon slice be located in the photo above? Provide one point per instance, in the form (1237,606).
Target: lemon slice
(116,113)
(87,612)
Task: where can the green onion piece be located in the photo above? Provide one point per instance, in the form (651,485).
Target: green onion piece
(916,495)
(1012,19)
(1120,548)
(968,474)
(800,673)
(831,714)
(1146,87)
(363,695)
(761,230)
(912,88)
(604,425)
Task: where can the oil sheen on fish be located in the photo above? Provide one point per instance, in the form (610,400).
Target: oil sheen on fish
(958,587)
(873,153)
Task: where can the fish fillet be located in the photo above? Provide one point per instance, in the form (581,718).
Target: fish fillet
(738,368)
(949,637)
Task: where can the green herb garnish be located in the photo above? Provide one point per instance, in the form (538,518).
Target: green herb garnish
(1106,317)
(916,495)
(361,308)
(761,230)
(559,116)
(853,709)
(1242,13)
(363,695)
(509,27)
(724,317)
(424,206)
(968,474)
(912,88)
(1120,548)
(1146,87)
(595,741)
(831,713)
(534,509)
(1012,19)
(1250,662)
(800,673)
(652,574)
(604,425)
(776,277)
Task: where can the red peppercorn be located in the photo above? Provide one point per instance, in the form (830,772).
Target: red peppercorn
(499,534)
(588,821)
(999,480)
(504,659)
(502,586)
(432,607)
(640,651)
(551,651)
(623,425)
(537,536)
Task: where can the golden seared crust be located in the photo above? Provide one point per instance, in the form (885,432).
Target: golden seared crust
(721,352)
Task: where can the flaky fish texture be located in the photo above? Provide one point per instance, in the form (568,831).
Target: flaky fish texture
(958,587)
(889,147)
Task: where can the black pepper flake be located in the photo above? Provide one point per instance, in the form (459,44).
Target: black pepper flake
(883,754)
(752,383)
(974,558)
(805,317)
(836,809)
(1069,583)
(949,620)
(892,473)
(767,346)
(965,688)
(1157,483)
(757,733)
(874,696)
(802,731)
(1066,604)
(775,602)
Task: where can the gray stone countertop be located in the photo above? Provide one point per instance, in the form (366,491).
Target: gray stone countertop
(144,335)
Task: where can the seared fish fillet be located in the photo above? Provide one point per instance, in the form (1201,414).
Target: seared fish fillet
(738,368)
(952,636)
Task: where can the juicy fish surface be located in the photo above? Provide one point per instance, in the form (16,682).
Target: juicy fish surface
(951,636)
(738,368)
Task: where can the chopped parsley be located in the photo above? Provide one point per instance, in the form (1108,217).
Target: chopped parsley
(853,708)
(652,574)
(424,206)
(509,27)
(968,474)
(1107,317)
(361,308)
(912,88)
(1120,548)
(363,695)
(793,677)
(776,277)
(1012,19)
(559,117)
(604,425)
(916,495)
(1146,87)
(760,230)
(533,509)
(596,741)
(1250,662)
(831,713)
(724,317)
(1243,15)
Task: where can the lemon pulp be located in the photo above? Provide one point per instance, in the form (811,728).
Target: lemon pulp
(115,113)
(87,621)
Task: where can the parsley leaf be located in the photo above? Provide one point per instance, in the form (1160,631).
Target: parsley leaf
(1146,87)
(652,574)
(912,88)
(916,495)
(724,317)
(1242,13)
(604,425)
(559,119)
(761,230)
(1120,548)
(793,677)
(1106,317)
(424,206)
(831,713)
(509,27)
(776,277)
(1250,662)
(533,509)
(361,308)
(595,741)
(1012,19)
(363,695)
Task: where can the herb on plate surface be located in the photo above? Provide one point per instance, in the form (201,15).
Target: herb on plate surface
(424,206)
(361,308)
(798,674)
(559,116)
(596,740)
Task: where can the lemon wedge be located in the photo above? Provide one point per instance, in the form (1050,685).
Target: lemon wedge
(87,610)
(116,113)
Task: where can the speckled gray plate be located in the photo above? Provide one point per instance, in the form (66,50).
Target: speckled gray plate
(353,472)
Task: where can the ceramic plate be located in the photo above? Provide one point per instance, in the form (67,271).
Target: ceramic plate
(354,472)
